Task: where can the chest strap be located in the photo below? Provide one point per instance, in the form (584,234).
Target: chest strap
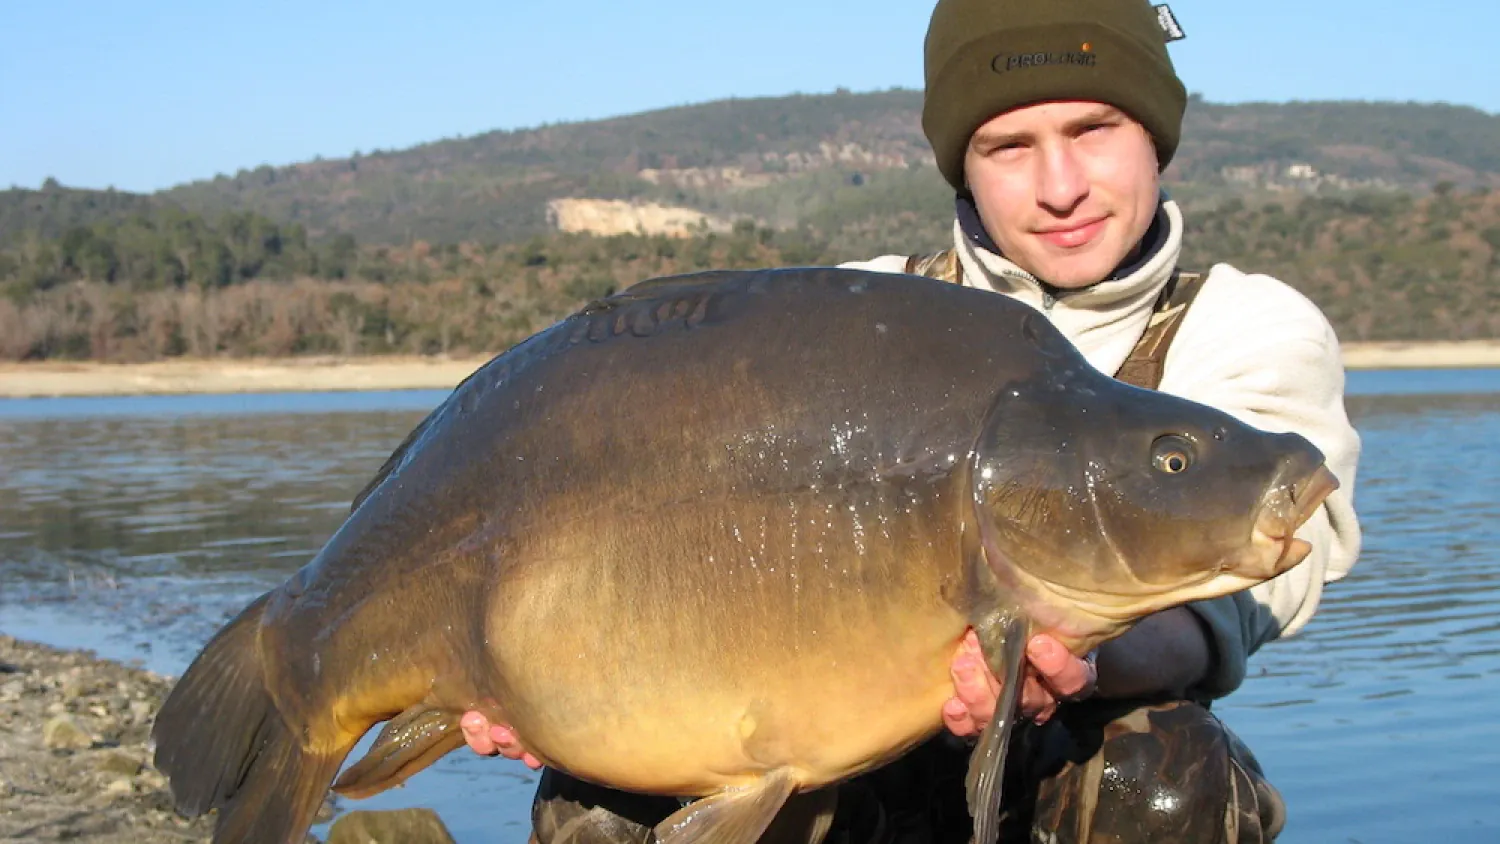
(1143,366)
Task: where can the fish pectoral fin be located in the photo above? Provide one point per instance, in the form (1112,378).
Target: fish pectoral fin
(731,816)
(1004,644)
(410,742)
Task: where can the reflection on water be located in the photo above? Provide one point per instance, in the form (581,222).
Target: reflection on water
(137,526)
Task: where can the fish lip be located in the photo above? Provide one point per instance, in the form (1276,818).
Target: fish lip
(1287,508)
(1309,495)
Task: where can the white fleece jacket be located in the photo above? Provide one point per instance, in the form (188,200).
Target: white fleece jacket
(1250,346)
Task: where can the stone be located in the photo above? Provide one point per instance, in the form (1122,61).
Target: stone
(119,788)
(141,711)
(403,826)
(117,762)
(63,733)
(73,689)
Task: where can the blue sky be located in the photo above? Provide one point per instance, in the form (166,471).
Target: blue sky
(152,93)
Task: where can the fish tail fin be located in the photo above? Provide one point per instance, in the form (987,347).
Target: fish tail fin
(223,745)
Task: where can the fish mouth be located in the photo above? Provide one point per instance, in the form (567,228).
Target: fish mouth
(1288,507)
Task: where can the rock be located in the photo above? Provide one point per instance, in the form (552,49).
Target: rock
(73,689)
(118,762)
(119,788)
(6,789)
(404,826)
(613,216)
(141,711)
(63,733)
(108,725)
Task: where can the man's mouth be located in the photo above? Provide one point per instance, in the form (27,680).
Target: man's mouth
(1072,235)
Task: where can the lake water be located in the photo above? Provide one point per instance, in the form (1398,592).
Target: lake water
(137,526)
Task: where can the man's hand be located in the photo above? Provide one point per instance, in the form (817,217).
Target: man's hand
(1053,675)
(488,739)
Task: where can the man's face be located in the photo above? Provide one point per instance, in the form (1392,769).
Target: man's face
(1066,189)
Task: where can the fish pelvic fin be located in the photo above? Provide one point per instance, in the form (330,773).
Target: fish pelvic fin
(730,816)
(806,818)
(409,742)
(1003,641)
(223,745)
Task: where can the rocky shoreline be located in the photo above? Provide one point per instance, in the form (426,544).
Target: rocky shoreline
(74,762)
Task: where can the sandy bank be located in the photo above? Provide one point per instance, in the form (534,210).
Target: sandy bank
(27,380)
(413,373)
(1468,354)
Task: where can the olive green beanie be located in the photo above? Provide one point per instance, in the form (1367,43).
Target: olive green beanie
(985,57)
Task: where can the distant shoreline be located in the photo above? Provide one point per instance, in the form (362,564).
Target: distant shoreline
(327,374)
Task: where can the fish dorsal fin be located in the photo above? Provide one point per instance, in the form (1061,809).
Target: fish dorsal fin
(685,298)
(397,457)
(1003,641)
(731,816)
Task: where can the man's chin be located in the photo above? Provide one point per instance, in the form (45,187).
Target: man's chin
(1073,274)
(1080,267)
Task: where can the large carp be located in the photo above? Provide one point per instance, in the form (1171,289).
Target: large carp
(719,536)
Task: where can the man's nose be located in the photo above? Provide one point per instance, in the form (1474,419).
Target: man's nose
(1061,181)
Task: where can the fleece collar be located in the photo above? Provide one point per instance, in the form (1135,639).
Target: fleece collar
(1105,319)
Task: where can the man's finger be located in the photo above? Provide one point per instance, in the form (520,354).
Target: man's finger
(957,719)
(476,729)
(975,687)
(1064,674)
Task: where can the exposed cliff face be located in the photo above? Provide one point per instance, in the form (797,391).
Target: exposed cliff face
(613,216)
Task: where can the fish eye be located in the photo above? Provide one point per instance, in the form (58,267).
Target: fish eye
(1172,454)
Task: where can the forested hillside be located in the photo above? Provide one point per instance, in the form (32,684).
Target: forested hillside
(1384,213)
(1383,266)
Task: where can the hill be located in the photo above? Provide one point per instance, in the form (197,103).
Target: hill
(54,209)
(831,160)
(842,163)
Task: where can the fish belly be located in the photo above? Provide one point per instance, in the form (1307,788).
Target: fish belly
(670,705)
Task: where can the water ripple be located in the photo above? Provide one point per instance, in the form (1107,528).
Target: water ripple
(137,527)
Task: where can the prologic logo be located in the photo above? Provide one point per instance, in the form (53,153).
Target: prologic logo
(1006,62)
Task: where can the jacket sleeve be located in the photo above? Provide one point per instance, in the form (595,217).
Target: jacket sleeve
(1260,351)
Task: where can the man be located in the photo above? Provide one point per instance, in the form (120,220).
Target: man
(1052,120)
